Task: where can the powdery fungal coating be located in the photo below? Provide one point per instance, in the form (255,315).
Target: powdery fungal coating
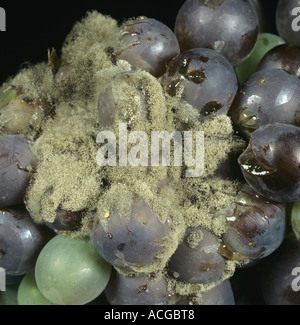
(67,176)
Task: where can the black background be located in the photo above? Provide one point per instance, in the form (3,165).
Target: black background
(32,27)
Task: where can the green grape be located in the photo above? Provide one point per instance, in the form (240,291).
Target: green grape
(265,42)
(295,219)
(29,293)
(70,271)
(9,297)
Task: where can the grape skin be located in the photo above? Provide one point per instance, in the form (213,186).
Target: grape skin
(16,161)
(205,80)
(21,241)
(147,44)
(210,24)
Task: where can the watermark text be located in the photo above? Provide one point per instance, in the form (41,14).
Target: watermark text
(296,21)
(2,20)
(188,149)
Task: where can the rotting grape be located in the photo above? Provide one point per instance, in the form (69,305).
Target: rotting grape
(228,27)
(270,163)
(268,96)
(257,226)
(66,221)
(21,113)
(196,259)
(204,79)
(141,289)
(285,57)
(21,240)
(17,160)
(130,242)
(148,44)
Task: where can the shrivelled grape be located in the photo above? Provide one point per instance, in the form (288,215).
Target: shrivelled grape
(130,242)
(143,289)
(66,220)
(21,240)
(21,113)
(147,44)
(70,271)
(16,161)
(268,96)
(229,27)
(285,57)
(280,274)
(288,21)
(270,164)
(257,226)
(204,78)
(196,259)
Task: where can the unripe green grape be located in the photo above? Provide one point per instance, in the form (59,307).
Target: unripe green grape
(295,219)
(265,42)
(29,293)
(70,271)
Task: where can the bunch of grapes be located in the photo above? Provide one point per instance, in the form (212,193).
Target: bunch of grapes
(74,231)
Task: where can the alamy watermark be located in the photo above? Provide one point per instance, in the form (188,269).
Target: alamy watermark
(296,21)
(2,20)
(296,280)
(188,149)
(2,279)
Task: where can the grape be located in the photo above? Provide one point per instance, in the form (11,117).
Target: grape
(21,240)
(29,293)
(129,243)
(265,42)
(110,108)
(280,279)
(65,220)
(196,259)
(257,226)
(288,21)
(268,96)
(270,164)
(147,44)
(70,271)
(20,113)
(142,289)
(16,161)
(204,78)
(285,57)
(229,27)
(295,219)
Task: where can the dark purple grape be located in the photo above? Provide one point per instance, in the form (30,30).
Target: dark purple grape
(142,289)
(285,57)
(204,78)
(268,96)
(66,221)
(257,226)
(16,162)
(270,163)
(280,274)
(133,242)
(21,240)
(196,259)
(147,44)
(288,20)
(230,27)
